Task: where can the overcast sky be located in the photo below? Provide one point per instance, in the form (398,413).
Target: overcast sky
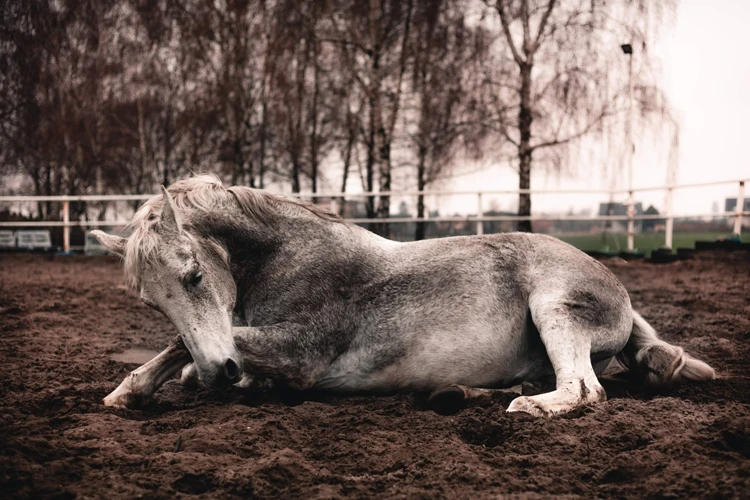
(705,60)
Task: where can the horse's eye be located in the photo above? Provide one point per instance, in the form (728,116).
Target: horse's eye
(196,278)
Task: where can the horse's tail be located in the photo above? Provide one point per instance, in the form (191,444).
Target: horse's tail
(658,364)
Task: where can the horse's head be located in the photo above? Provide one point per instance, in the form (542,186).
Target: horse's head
(188,279)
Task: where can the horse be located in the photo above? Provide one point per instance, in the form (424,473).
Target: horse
(264,287)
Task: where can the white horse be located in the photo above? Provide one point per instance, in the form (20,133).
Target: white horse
(327,305)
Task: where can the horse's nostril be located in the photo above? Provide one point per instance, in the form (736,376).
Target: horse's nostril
(231,370)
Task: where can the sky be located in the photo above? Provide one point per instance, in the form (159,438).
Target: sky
(705,61)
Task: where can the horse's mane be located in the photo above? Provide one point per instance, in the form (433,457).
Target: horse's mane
(201,194)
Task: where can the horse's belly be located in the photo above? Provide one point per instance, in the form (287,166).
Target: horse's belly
(485,357)
(482,359)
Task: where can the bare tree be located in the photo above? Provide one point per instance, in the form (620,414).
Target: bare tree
(55,58)
(304,108)
(123,95)
(445,53)
(374,41)
(567,59)
(350,127)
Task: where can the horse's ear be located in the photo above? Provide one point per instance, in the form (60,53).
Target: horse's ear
(170,217)
(115,244)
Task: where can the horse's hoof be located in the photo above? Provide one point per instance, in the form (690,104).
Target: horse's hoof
(447,400)
(118,399)
(115,401)
(248,383)
(526,404)
(189,377)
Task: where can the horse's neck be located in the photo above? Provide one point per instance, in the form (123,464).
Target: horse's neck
(295,235)
(252,244)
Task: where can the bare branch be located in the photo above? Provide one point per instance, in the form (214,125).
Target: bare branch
(500,6)
(543,25)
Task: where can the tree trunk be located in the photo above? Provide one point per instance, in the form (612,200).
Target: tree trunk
(239,162)
(384,156)
(524,148)
(48,192)
(296,134)
(386,131)
(249,176)
(370,166)
(314,112)
(419,234)
(345,175)
(262,159)
(168,141)
(295,176)
(383,147)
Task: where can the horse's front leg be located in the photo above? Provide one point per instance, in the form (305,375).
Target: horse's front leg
(287,353)
(143,382)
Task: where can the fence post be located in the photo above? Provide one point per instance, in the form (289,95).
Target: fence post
(739,209)
(66,226)
(670,220)
(480,214)
(631,222)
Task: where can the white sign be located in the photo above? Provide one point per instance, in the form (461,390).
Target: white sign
(34,239)
(7,239)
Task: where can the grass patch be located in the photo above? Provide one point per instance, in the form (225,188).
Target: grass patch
(643,242)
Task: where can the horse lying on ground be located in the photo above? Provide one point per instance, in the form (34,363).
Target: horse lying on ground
(330,306)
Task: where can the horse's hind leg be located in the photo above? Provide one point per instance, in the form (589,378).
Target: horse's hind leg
(567,341)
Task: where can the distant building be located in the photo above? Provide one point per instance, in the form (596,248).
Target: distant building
(731,203)
(619,208)
(652,225)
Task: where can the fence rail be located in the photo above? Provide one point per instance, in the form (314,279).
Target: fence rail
(479,219)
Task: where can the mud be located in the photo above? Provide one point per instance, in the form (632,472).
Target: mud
(65,320)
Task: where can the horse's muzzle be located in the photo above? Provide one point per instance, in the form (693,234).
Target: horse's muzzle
(222,375)
(232,371)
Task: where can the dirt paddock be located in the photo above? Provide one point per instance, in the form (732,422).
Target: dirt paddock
(62,319)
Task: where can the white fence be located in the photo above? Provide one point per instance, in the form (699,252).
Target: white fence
(479,219)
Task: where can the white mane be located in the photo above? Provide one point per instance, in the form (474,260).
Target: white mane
(198,195)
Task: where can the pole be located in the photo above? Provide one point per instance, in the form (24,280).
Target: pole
(670,220)
(480,212)
(629,153)
(66,226)
(739,209)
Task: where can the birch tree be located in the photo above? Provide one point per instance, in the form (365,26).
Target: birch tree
(569,79)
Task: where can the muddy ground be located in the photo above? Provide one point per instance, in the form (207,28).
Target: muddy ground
(62,319)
